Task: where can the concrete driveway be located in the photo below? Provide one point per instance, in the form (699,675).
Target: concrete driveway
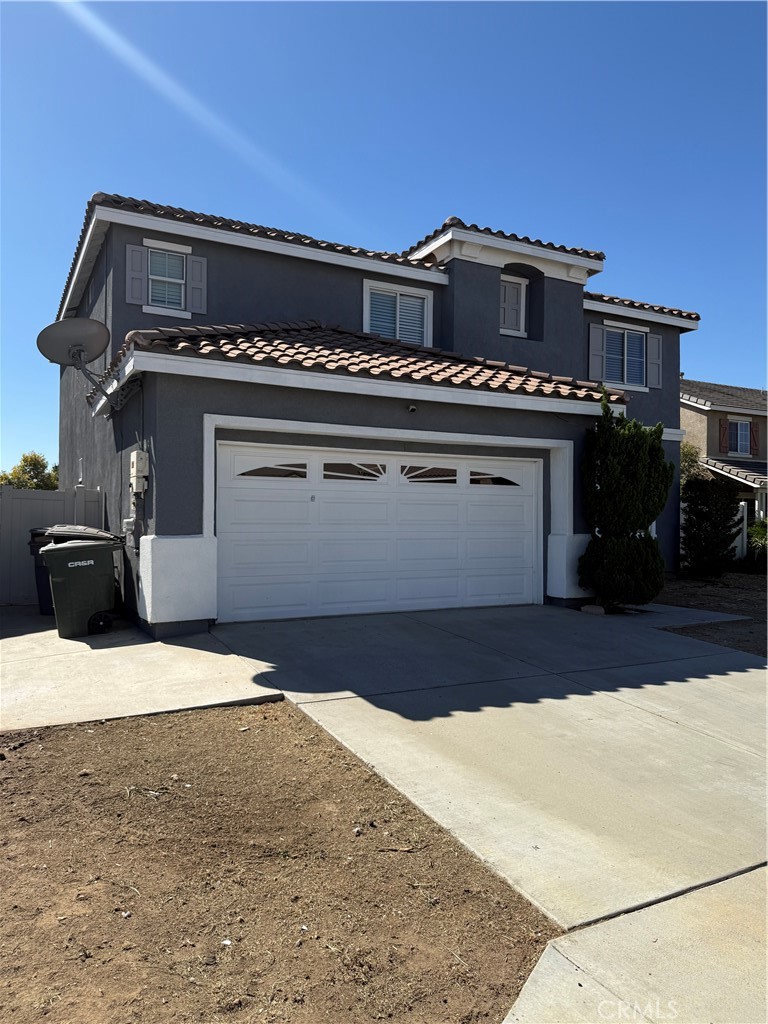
(599,764)
(45,680)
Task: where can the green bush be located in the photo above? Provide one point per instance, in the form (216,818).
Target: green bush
(758,536)
(623,570)
(626,481)
(710,526)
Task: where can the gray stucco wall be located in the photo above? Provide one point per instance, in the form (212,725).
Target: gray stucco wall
(178,450)
(553,323)
(251,286)
(657,405)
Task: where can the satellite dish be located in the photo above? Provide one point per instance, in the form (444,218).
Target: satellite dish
(76,342)
(73,342)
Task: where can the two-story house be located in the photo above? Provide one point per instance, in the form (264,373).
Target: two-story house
(334,430)
(729,426)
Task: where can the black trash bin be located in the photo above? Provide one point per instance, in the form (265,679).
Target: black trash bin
(37,541)
(41,536)
(83,584)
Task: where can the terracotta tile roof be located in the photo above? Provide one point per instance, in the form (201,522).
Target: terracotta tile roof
(715,396)
(177,214)
(614,300)
(313,347)
(752,473)
(456,222)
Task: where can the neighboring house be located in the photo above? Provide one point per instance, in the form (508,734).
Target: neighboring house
(729,426)
(332,429)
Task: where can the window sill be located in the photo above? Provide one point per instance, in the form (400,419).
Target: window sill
(178,314)
(739,455)
(626,387)
(512,334)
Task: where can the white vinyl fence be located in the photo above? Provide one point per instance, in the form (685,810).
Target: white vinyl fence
(22,511)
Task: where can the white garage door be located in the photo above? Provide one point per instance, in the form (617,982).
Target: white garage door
(329,532)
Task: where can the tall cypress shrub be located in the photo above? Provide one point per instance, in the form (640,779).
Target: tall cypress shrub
(710,526)
(626,480)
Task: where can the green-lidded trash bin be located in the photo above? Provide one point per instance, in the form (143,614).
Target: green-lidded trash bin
(83,584)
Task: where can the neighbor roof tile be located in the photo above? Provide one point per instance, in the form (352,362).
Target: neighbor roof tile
(708,395)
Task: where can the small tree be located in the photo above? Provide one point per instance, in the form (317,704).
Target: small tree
(690,467)
(626,481)
(710,526)
(31,473)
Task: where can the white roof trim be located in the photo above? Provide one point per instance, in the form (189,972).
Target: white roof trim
(507,245)
(225,237)
(103,216)
(158,362)
(736,479)
(640,314)
(704,406)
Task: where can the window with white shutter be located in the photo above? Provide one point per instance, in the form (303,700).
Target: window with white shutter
(512,306)
(401,313)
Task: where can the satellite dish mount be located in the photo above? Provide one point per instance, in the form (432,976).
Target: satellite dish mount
(77,342)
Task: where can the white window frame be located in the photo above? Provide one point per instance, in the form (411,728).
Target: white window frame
(171,280)
(393,289)
(746,420)
(625,329)
(523,282)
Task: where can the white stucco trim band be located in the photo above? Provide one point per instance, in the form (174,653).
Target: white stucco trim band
(177,578)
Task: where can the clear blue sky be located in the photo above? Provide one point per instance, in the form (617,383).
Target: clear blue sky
(635,128)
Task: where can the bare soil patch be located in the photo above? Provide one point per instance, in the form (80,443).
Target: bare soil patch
(238,865)
(733,594)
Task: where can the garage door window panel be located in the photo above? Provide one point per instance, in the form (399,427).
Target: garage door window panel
(355,471)
(284,471)
(491,479)
(428,475)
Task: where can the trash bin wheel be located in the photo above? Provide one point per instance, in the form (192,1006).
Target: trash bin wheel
(101,622)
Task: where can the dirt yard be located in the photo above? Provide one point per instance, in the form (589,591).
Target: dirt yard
(734,594)
(238,865)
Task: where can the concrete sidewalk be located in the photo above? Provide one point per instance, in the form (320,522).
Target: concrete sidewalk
(599,764)
(697,958)
(49,681)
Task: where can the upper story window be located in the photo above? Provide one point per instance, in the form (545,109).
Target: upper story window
(395,312)
(739,441)
(512,306)
(166,279)
(627,355)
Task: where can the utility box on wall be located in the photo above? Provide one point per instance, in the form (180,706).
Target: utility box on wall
(139,471)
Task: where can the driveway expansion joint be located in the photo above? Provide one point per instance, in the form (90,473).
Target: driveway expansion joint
(663,899)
